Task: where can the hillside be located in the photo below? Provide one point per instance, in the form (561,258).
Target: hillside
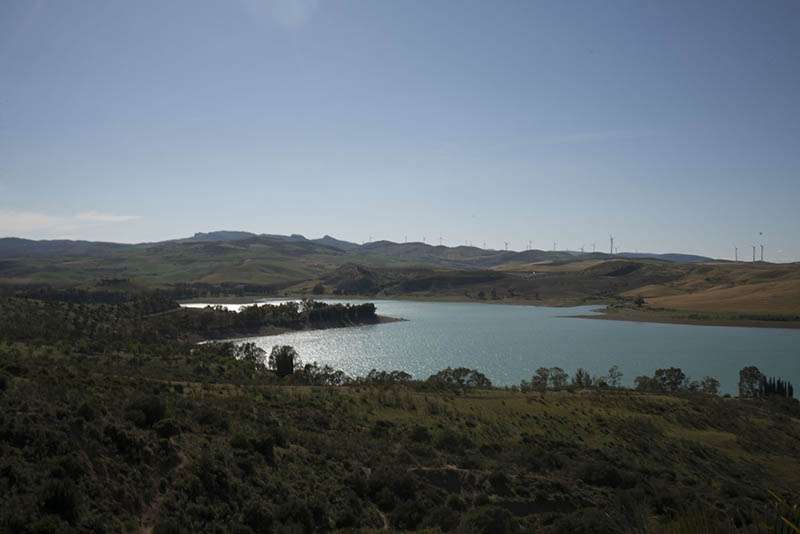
(238,263)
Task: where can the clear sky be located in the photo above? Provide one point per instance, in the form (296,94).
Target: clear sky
(673,125)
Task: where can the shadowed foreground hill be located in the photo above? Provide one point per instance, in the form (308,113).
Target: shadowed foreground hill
(198,443)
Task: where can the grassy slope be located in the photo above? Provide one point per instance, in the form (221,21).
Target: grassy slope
(760,288)
(550,460)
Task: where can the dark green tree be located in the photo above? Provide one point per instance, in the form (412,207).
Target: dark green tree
(282,360)
(750,382)
(558,377)
(671,379)
(614,377)
(709,385)
(582,378)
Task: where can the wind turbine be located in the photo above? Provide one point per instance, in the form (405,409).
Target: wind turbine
(506,242)
(735,253)
(594,248)
(754,253)
(612,243)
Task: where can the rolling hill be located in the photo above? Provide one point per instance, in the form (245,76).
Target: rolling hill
(295,265)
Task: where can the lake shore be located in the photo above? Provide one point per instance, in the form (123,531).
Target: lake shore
(684,318)
(271,330)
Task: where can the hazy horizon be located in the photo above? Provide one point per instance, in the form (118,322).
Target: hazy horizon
(672,126)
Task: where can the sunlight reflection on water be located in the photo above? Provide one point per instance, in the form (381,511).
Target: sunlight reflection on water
(508,343)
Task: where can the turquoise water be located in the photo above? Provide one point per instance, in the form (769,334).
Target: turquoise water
(508,343)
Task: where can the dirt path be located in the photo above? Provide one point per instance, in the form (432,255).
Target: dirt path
(148,516)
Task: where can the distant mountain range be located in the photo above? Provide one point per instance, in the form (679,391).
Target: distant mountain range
(224,235)
(455,257)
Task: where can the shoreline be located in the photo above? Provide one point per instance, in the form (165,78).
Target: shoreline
(605,314)
(641,317)
(268,331)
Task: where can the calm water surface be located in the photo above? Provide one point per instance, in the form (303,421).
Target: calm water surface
(508,343)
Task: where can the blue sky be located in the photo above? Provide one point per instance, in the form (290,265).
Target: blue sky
(674,126)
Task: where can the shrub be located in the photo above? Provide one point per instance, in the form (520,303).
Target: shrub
(420,434)
(146,411)
(489,520)
(87,412)
(166,428)
(600,473)
(61,497)
(407,515)
(585,521)
(500,483)
(443,517)
(451,441)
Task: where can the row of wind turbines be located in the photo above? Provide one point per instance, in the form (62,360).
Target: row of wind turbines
(612,250)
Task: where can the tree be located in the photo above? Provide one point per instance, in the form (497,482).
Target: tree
(647,383)
(252,354)
(709,385)
(558,377)
(582,379)
(318,289)
(639,301)
(750,382)
(282,360)
(671,379)
(614,377)
(459,377)
(540,380)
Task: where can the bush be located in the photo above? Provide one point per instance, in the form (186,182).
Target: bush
(87,412)
(166,428)
(585,521)
(147,411)
(396,479)
(451,441)
(489,520)
(420,434)
(61,497)
(600,473)
(407,515)
(258,516)
(500,483)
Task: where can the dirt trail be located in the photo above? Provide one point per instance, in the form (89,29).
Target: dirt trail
(148,516)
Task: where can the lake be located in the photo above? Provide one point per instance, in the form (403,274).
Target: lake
(508,343)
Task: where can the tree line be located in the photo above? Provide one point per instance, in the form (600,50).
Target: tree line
(284,361)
